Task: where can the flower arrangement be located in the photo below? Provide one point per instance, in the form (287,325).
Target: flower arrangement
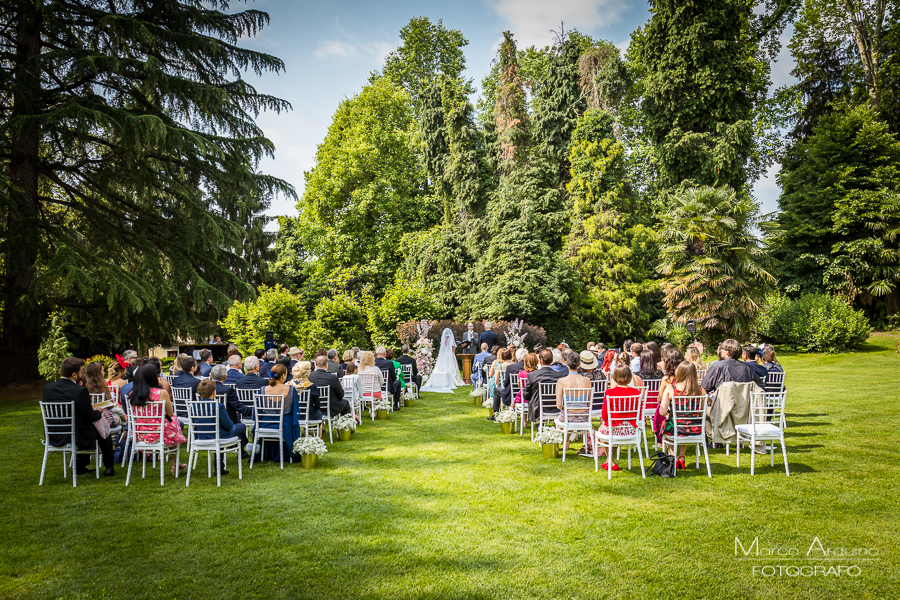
(408,394)
(478,391)
(488,403)
(514,334)
(310,444)
(505,416)
(344,423)
(548,435)
(382,404)
(424,350)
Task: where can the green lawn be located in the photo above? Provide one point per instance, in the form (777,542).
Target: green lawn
(437,503)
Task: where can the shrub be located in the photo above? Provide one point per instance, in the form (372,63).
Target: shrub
(275,309)
(103,360)
(53,349)
(403,301)
(341,321)
(813,323)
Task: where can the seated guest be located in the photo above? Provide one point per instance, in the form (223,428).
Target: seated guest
(282,350)
(589,366)
(260,354)
(544,374)
(235,372)
(227,428)
(185,379)
(771,365)
(498,374)
(684,384)
(176,368)
(301,383)
(406,359)
(393,384)
(490,359)
(575,381)
(558,363)
(367,365)
(621,388)
(692,355)
(505,394)
(749,356)
(529,366)
(352,385)
(252,380)
(268,363)
(295,354)
(663,353)
(232,403)
(648,368)
(285,362)
(478,363)
(323,378)
(276,386)
(333,365)
(401,377)
(205,362)
(671,360)
(130,357)
(126,389)
(232,351)
(653,347)
(729,368)
(489,337)
(635,363)
(163,382)
(96,384)
(624,359)
(347,357)
(288,395)
(115,376)
(148,391)
(68,388)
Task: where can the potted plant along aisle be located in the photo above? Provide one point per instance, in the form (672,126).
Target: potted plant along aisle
(506,418)
(382,407)
(345,424)
(409,397)
(489,405)
(310,448)
(549,438)
(477,394)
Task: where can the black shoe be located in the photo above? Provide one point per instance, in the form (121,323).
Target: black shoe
(84,471)
(491,418)
(221,471)
(245,455)
(109,472)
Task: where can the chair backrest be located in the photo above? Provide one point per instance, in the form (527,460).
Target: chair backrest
(59,420)
(169,378)
(368,383)
(203,418)
(246,396)
(324,397)
(347,383)
(407,372)
(514,383)
(303,405)
(651,393)
(97,399)
(231,385)
(547,393)
(180,397)
(149,418)
(774,382)
(689,414)
(268,412)
(701,373)
(765,406)
(114,393)
(384,380)
(502,378)
(577,403)
(622,409)
(599,386)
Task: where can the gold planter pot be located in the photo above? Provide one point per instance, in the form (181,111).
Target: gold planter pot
(550,450)
(381,415)
(344,435)
(309,461)
(506,427)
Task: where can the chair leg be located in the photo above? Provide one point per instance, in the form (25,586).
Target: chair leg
(706,456)
(752,454)
(281,451)
(772,454)
(162,467)
(191,459)
(219,467)
(640,458)
(97,458)
(130,464)
(784,453)
(240,463)
(697,450)
(44,466)
(609,459)
(739,452)
(565,441)
(144,464)
(675,445)
(596,456)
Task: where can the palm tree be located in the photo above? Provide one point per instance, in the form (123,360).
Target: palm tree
(714,270)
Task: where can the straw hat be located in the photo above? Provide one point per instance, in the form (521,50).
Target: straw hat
(588,360)
(293,351)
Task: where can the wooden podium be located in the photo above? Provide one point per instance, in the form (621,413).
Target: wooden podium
(467,367)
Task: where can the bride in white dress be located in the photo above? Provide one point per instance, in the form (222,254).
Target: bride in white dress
(445,377)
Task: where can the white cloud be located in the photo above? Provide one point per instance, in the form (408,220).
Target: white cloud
(531,20)
(335,48)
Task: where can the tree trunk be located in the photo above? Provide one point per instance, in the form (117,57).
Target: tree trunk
(21,313)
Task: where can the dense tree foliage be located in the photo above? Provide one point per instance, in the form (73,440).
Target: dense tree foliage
(128,182)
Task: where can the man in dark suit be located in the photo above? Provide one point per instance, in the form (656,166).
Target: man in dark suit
(531,391)
(322,377)
(489,337)
(185,379)
(69,389)
(333,365)
(506,392)
(406,359)
(234,406)
(729,368)
(206,359)
(384,364)
(130,357)
(266,365)
(252,380)
(470,340)
(235,372)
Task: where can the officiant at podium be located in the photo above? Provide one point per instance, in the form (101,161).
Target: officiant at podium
(471,341)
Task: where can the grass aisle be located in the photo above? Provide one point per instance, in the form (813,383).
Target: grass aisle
(437,503)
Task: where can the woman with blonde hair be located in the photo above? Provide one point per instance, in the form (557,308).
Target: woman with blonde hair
(367,365)
(301,383)
(115,376)
(692,355)
(684,384)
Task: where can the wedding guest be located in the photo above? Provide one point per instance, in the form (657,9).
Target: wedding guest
(749,356)
(670,364)
(729,368)
(684,384)
(278,387)
(653,347)
(393,384)
(130,356)
(296,354)
(648,368)
(285,361)
(347,357)
(557,364)
(635,363)
(622,378)
(96,384)
(489,337)
(323,378)
(301,383)
(771,364)
(588,366)
(115,376)
(506,393)
(663,352)
(367,365)
(529,365)
(574,380)
(232,403)
(692,355)
(206,359)
(227,428)
(504,359)
(333,365)
(235,372)
(185,379)
(624,359)
(268,363)
(163,382)
(389,355)
(405,358)
(478,364)
(252,380)
(147,390)
(544,374)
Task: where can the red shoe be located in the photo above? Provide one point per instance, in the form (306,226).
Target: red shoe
(605,467)
(680,463)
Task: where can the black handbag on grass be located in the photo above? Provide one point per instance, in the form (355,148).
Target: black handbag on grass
(663,464)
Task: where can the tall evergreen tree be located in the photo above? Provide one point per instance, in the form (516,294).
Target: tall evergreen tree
(124,125)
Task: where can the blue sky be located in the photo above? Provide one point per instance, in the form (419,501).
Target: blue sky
(329,49)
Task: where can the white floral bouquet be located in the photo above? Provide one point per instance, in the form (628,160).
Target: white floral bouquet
(382,404)
(505,416)
(408,394)
(310,444)
(478,391)
(488,403)
(344,422)
(514,335)
(548,435)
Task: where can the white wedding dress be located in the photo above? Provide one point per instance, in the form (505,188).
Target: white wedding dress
(445,377)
